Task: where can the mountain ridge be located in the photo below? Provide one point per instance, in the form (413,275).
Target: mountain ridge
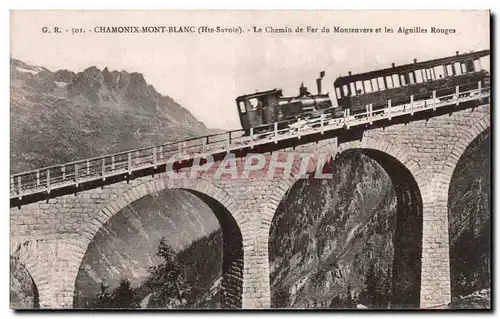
(63,116)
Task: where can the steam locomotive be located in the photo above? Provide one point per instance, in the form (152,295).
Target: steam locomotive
(355,91)
(271,106)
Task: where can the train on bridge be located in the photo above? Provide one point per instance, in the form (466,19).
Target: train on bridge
(437,79)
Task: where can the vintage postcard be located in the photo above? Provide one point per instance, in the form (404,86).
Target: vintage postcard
(250,159)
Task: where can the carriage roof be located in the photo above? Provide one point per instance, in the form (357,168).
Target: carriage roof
(410,66)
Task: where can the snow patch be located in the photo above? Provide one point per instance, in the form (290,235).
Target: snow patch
(350,236)
(92,273)
(26,70)
(61,84)
(145,302)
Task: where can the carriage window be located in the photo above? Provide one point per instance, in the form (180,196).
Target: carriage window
(346,90)
(411,77)
(432,74)
(458,68)
(449,70)
(368,86)
(388,80)
(402,79)
(374,85)
(469,66)
(424,75)
(439,71)
(418,76)
(353,89)
(381,83)
(463,67)
(395,80)
(485,63)
(337,92)
(243,109)
(359,87)
(477,65)
(428,75)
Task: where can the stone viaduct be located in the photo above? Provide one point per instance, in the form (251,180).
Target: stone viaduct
(419,153)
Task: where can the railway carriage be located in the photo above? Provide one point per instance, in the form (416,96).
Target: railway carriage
(418,79)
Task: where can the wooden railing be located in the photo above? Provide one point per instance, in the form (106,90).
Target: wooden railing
(45,180)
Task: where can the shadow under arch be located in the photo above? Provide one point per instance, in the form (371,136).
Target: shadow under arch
(220,204)
(232,258)
(23,289)
(406,265)
(469,218)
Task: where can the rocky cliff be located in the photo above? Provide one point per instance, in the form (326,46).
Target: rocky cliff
(328,235)
(125,247)
(469,216)
(23,291)
(63,116)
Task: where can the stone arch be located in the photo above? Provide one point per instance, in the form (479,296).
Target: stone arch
(407,177)
(231,223)
(458,149)
(367,143)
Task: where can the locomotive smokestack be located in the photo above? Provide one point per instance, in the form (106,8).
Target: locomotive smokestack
(318,81)
(318,84)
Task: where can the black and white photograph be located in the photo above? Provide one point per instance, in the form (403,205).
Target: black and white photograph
(250,159)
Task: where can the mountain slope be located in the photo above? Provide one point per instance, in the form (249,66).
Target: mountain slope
(63,116)
(469,213)
(125,247)
(327,234)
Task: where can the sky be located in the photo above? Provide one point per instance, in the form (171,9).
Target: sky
(205,73)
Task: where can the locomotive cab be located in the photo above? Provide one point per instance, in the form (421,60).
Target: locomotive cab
(259,108)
